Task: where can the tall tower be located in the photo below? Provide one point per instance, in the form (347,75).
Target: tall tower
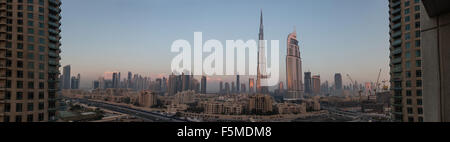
(308,83)
(66,77)
(338,84)
(406,60)
(262,74)
(238,84)
(29,29)
(293,68)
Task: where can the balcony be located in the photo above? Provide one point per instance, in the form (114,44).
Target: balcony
(53,63)
(396,61)
(397,26)
(53,54)
(53,38)
(54,2)
(396,18)
(397,34)
(397,42)
(396,11)
(52,31)
(396,4)
(53,24)
(397,51)
(53,46)
(397,69)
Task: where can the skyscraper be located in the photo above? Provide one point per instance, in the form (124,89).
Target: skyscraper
(293,67)
(338,84)
(406,61)
(251,85)
(262,74)
(43,18)
(66,76)
(308,83)
(203,86)
(221,87)
(238,84)
(316,84)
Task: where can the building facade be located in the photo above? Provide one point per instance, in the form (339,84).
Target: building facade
(293,68)
(406,60)
(29,60)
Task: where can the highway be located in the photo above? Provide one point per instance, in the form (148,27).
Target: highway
(145,115)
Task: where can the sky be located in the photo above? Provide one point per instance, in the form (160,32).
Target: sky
(336,36)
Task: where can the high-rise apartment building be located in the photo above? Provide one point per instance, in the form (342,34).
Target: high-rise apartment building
(308,83)
(406,60)
(203,86)
(29,60)
(316,85)
(338,84)
(66,77)
(293,68)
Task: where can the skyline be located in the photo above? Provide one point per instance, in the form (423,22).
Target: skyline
(146,39)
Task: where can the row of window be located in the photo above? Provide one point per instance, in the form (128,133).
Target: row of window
(30,65)
(18,118)
(418,64)
(30,55)
(21,15)
(20,74)
(418,54)
(29,30)
(408,83)
(409,74)
(30,96)
(408,93)
(410,102)
(411,110)
(29,38)
(19,107)
(41,2)
(20,84)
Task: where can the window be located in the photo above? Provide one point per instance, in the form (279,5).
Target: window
(407,11)
(19,95)
(408,83)
(30,95)
(19,84)
(408,27)
(19,74)
(7,107)
(30,85)
(419,102)
(410,110)
(18,118)
(418,53)
(419,83)
(408,93)
(419,92)
(407,19)
(30,75)
(30,106)
(417,43)
(30,118)
(41,95)
(18,107)
(41,106)
(420,110)
(41,116)
(419,63)
(419,73)
(408,55)
(409,102)
(408,65)
(408,74)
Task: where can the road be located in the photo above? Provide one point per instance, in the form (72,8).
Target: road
(145,115)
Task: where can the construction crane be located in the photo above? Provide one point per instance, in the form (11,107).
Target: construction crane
(378,82)
(352,82)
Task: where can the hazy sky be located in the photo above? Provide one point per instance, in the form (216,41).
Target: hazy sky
(345,36)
